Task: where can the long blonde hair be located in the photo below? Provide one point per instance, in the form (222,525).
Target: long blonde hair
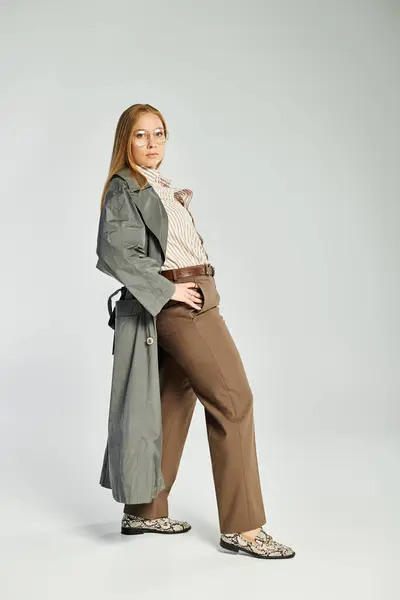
(122,150)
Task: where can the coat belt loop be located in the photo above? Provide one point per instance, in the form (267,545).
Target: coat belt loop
(111,320)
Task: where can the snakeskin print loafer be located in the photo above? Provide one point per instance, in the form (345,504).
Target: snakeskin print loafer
(263,546)
(132,525)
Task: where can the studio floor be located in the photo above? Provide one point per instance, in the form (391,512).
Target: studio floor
(333,499)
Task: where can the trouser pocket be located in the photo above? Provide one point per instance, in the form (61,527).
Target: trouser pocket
(208,289)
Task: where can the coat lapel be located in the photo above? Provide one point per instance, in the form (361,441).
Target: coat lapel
(150,206)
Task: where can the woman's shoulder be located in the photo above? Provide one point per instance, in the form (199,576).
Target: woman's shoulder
(117,183)
(124,177)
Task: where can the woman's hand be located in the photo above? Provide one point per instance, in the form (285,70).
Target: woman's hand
(185,292)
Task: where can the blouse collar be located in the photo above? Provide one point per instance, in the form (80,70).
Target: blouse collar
(154,176)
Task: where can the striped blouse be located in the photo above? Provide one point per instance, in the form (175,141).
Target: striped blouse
(184,243)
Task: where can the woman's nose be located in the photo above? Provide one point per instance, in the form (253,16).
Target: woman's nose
(150,140)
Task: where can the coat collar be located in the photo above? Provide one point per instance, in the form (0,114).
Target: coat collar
(150,206)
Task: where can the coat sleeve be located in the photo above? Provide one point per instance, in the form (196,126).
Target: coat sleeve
(121,243)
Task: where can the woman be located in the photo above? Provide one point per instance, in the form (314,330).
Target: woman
(148,241)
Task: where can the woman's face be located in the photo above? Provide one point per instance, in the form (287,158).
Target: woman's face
(152,151)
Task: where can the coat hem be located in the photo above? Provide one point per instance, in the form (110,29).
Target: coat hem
(136,498)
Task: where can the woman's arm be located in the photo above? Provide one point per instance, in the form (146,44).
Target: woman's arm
(121,244)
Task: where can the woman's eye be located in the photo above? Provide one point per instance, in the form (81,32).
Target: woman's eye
(139,134)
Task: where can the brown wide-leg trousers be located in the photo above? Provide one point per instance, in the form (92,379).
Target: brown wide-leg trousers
(200,360)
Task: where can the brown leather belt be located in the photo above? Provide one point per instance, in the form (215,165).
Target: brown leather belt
(173,274)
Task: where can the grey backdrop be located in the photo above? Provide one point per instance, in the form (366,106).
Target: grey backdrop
(284,120)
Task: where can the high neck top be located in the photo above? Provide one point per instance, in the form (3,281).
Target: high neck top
(154,175)
(158,179)
(184,243)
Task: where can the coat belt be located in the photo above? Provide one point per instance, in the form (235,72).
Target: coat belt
(111,312)
(111,320)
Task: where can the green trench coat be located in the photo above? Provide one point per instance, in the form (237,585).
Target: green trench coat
(131,247)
